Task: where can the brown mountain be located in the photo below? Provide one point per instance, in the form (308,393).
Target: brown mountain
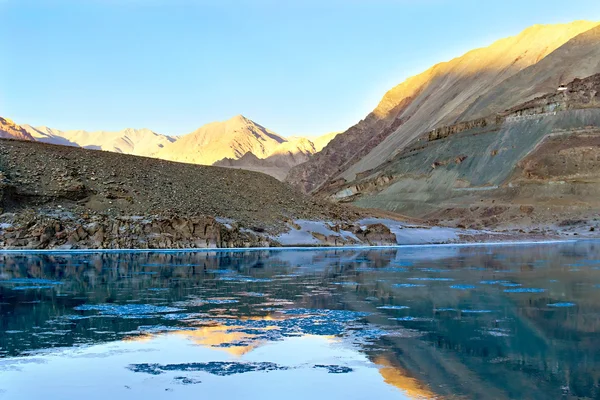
(448,93)
(535,165)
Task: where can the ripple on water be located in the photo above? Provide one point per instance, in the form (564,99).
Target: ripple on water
(335,369)
(219,368)
(384,269)
(393,307)
(432,279)
(501,283)
(412,319)
(184,380)
(525,290)
(497,332)
(408,285)
(32,287)
(31,281)
(243,279)
(476,311)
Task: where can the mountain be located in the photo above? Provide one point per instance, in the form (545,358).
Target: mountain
(535,165)
(578,58)
(140,142)
(48,135)
(10,130)
(284,156)
(218,140)
(446,94)
(220,143)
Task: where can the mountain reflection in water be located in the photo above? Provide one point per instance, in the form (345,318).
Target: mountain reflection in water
(495,322)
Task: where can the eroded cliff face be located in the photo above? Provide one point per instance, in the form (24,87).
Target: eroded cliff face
(62,231)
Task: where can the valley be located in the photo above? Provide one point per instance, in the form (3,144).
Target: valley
(499,142)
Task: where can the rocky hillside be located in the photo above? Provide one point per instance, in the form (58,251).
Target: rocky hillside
(456,91)
(535,164)
(63,197)
(40,174)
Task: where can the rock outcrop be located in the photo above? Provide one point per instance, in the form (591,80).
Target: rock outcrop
(34,231)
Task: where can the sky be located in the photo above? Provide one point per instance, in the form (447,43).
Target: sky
(297,67)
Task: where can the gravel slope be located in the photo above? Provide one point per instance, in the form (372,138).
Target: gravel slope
(43,176)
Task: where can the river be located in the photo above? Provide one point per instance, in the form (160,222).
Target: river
(445,322)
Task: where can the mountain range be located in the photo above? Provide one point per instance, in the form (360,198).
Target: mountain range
(238,143)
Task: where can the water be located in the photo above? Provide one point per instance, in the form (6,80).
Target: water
(498,322)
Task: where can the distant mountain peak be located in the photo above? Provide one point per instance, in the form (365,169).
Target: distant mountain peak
(240,118)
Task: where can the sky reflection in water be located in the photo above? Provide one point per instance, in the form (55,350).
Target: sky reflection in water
(502,322)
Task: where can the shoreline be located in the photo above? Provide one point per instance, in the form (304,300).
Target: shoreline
(294,248)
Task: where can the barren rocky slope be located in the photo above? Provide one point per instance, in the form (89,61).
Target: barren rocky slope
(536,164)
(443,95)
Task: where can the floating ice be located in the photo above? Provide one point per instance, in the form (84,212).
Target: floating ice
(462,287)
(561,305)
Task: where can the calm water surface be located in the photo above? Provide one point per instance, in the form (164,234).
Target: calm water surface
(503,322)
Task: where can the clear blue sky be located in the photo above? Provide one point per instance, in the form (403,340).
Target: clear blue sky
(294,66)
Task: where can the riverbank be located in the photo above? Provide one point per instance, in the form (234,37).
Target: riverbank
(63,230)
